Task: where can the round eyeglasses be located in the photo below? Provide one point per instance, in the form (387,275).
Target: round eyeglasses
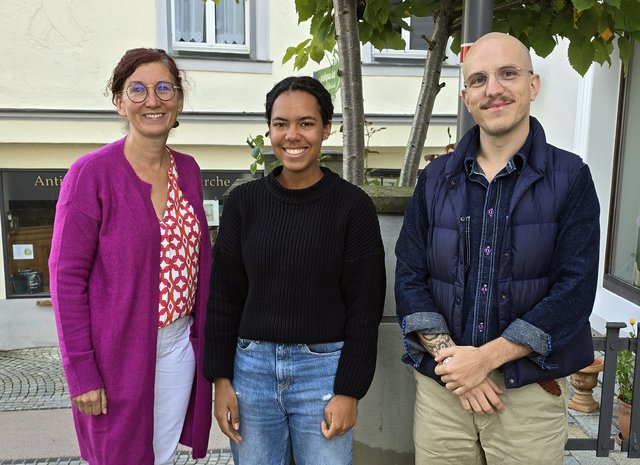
(505,76)
(137,91)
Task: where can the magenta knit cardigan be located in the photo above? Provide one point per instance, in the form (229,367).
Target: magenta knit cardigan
(104,273)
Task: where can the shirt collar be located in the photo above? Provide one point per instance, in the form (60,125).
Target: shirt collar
(517,162)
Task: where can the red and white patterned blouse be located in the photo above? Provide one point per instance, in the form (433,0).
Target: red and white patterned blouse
(179,254)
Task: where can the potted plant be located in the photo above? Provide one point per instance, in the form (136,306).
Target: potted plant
(624,380)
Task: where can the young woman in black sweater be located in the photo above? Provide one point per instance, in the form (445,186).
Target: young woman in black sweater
(297,294)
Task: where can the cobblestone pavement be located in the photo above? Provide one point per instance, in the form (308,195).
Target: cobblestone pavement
(218,457)
(32,379)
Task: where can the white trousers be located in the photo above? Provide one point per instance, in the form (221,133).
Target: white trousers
(175,370)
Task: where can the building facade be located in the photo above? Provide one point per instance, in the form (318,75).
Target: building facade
(58,57)
(59,54)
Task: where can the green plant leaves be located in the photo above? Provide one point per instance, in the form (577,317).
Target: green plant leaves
(519,20)
(292,51)
(602,51)
(309,8)
(625,374)
(257,145)
(591,26)
(541,41)
(627,18)
(582,5)
(581,56)
(624,45)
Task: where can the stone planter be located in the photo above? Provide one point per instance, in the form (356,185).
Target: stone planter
(384,432)
(583,382)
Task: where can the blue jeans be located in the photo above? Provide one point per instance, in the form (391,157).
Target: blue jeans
(282,390)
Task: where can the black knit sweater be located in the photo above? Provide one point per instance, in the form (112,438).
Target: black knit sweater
(298,266)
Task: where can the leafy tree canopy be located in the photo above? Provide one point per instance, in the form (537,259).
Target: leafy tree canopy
(590,26)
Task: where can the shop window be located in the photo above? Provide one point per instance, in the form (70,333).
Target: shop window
(623,268)
(29,199)
(214,185)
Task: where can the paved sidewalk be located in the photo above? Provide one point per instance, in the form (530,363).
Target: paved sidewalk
(36,426)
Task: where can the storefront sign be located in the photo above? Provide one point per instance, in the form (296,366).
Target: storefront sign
(45,184)
(215,183)
(32,185)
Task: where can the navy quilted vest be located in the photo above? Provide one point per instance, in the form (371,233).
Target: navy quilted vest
(529,242)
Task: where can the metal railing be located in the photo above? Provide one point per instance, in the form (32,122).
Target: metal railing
(609,345)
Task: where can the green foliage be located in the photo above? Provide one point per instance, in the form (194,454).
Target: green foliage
(378,24)
(257,145)
(370,131)
(602,51)
(581,56)
(257,153)
(581,5)
(624,44)
(542,41)
(625,370)
(591,26)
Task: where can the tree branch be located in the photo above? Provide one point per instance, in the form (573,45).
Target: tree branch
(428,93)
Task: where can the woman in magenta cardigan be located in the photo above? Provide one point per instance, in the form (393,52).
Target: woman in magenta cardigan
(130,264)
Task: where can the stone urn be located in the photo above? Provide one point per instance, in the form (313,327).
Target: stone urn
(583,382)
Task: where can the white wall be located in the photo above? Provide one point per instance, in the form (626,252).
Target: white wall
(68,68)
(555,106)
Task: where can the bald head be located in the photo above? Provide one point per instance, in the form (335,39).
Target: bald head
(499,88)
(496,44)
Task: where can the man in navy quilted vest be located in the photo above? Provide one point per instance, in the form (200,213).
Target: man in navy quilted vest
(496,276)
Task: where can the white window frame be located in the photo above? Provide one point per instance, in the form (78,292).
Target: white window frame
(210,21)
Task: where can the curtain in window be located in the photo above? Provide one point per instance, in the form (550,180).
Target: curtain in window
(190,20)
(230,22)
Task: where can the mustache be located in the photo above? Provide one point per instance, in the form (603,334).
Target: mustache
(489,103)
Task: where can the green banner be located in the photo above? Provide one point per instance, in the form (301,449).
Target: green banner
(329,76)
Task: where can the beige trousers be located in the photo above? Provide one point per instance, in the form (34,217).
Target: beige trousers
(532,430)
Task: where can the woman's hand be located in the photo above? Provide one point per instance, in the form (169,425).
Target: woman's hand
(91,402)
(225,409)
(340,416)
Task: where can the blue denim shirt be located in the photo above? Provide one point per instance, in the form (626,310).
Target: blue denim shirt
(485,228)
(488,204)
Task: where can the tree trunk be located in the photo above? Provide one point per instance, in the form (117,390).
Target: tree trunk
(429,89)
(348,41)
